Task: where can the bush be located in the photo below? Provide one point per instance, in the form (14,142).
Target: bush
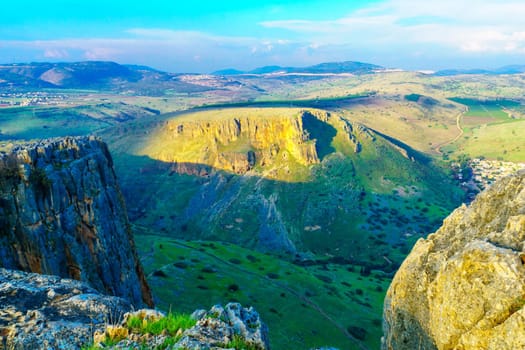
(38,178)
(239,343)
(235,261)
(233,287)
(160,273)
(357,332)
(272,275)
(180,264)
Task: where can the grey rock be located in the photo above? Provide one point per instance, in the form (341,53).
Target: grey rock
(220,324)
(62,213)
(47,312)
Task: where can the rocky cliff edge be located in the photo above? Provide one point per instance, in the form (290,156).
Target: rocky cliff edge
(62,213)
(464,286)
(47,312)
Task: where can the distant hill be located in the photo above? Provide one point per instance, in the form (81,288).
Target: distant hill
(98,75)
(323,68)
(67,75)
(512,69)
(228,71)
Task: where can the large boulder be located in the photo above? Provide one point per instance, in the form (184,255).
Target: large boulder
(464,286)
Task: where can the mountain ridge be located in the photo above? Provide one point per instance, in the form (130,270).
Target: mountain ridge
(321,68)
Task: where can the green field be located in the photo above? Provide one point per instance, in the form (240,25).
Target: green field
(494,109)
(491,130)
(30,123)
(325,304)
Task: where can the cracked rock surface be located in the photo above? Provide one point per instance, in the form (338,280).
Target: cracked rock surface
(48,312)
(463,287)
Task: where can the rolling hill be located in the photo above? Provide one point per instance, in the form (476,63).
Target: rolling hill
(323,68)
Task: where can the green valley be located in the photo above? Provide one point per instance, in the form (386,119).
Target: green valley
(298,194)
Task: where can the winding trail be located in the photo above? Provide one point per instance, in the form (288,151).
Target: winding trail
(438,147)
(304,299)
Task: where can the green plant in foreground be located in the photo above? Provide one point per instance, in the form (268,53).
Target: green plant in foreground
(239,343)
(171,324)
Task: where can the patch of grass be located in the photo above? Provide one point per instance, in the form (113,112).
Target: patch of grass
(171,324)
(239,343)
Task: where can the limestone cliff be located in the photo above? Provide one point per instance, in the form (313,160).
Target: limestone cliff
(62,213)
(237,143)
(464,286)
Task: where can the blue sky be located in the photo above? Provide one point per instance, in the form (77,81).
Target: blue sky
(202,36)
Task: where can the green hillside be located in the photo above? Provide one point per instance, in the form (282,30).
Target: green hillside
(324,304)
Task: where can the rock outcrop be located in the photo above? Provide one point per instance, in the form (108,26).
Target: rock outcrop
(464,286)
(47,312)
(218,327)
(62,213)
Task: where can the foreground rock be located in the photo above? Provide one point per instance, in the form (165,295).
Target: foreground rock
(464,286)
(62,213)
(219,326)
(47,312)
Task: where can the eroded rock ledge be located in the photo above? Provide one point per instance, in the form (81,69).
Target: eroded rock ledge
(47,312)
(464,286)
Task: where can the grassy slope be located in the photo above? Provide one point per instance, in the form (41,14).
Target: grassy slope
(304,307)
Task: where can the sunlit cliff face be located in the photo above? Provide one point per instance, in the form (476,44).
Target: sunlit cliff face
(273,143)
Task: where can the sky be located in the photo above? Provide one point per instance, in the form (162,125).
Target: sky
(204,36)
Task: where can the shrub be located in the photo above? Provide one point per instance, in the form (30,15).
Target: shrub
(208,269)
(233,287)
(357,332)
(160,273)
(239,343)
(39,179)
(180,264)
(235,261)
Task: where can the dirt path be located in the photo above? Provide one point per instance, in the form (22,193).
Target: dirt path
(437,148)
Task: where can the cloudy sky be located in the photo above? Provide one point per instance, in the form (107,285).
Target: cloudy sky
(202,36)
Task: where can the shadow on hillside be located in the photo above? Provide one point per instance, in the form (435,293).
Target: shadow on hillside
(410,152)
(322,132)
(330,217)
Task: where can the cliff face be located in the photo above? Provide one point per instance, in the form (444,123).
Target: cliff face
(62,213)
(236,144)
(464,286)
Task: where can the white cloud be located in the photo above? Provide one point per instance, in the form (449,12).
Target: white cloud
(169,49)
(101,53)
(56,53)
(468,26)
